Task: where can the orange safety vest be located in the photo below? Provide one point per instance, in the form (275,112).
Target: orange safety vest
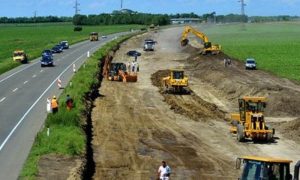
(54,103)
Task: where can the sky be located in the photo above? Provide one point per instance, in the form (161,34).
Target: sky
(26,8)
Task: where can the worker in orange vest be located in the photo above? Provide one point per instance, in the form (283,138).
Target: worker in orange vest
(54,105)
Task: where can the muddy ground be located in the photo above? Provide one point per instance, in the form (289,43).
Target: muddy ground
(136,125)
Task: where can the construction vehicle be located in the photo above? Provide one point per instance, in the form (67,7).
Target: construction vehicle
(118,71)
(175,82)
(250,122)
(209,48)
(266,168)
(20,56)
(94,36)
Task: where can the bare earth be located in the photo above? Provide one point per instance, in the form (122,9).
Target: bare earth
(136,126)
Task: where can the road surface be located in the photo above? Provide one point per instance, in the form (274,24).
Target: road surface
(23,94)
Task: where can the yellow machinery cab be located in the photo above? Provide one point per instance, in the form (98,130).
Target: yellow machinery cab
(266,168)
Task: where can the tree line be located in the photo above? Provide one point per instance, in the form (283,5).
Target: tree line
(124,18)
(38,19)
(131,17)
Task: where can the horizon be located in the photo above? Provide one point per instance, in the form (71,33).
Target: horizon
(65,8)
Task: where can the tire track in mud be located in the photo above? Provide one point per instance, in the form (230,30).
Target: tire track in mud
(189,104)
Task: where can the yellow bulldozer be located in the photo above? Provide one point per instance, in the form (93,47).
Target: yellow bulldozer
(94,36)
(209,48)
(249,123)
(175,82)
(266,168)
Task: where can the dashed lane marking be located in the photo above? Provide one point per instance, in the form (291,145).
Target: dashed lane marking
(1,100)
(15,90)
(25,82)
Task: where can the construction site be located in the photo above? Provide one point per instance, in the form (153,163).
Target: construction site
(201,125)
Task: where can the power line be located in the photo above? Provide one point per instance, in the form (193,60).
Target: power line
(76,7)
(243,4)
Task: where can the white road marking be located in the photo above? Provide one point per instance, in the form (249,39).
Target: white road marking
(38,99)
(25,82)
(15,90)
(41,70)
(2,99)
(34,76)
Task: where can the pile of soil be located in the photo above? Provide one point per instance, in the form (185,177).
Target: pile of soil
(50,167)
(188,104)
(235,82)
(290,129)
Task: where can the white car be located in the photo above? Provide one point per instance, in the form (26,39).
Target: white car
(250,63)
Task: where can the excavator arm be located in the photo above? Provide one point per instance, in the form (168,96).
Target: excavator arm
(187,30)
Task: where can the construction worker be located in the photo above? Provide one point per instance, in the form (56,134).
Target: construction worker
(164,171)
(69,102)
(54,105)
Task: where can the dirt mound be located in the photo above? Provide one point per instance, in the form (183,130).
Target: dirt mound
(190,104)
(234,82)
(50,167)
(290,129)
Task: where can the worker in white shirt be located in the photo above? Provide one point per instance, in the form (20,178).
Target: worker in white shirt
(164,171)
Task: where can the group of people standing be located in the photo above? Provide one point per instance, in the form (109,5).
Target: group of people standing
(52,104)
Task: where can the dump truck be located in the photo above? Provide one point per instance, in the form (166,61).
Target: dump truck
(209,48)
(94,36)
(175,82)
(250,123)
(266,168)
(20,56)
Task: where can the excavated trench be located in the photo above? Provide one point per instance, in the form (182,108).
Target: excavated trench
(89,167)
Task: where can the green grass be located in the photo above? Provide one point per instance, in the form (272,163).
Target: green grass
(275,46)
(66,133)
(34,38)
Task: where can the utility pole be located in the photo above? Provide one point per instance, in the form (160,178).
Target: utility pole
(121,4)
(76,7)
(34,15)
(243,4)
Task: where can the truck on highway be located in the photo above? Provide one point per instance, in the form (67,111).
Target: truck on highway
(20,56)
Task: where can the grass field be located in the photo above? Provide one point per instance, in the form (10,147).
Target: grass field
(275,46)
(34,38)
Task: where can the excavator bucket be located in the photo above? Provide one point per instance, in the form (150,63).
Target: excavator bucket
(131,78)
(184,42)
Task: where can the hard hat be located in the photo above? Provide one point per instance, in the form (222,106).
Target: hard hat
(54,97)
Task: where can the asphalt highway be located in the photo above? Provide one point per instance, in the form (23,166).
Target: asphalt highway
(23,94)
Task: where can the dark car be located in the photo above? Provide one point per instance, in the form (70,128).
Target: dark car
(133,53)
(57,49)
(47,60)
(64,44)
(47,52)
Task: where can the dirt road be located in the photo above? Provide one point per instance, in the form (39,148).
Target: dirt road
(135,126)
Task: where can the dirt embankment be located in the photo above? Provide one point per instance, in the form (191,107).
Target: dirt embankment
(188,104)
(234,82)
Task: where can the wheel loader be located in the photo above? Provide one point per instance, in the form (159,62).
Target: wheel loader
(266,168)
(249,123)
(175,82)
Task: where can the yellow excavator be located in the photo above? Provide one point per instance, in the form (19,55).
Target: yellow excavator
(175,82)
(266,168)
(250,122)
(209,48)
